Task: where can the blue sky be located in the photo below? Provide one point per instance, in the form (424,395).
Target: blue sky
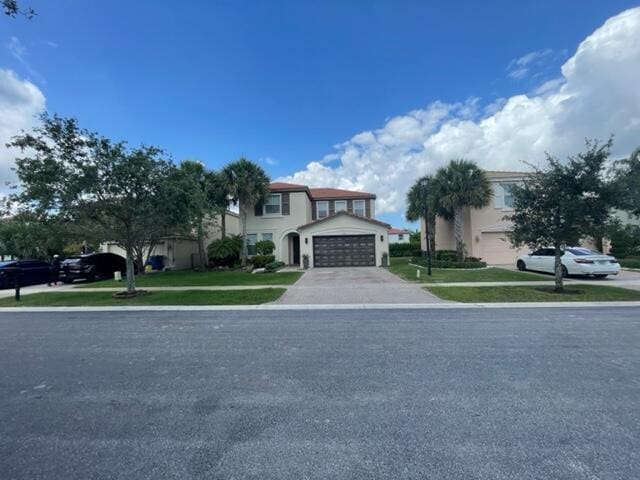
(283,82)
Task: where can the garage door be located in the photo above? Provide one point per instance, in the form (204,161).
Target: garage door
(344,251)
(497,250)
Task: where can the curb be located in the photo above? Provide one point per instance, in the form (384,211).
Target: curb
(401,306)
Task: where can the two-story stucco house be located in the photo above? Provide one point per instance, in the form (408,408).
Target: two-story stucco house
(485,230)
(333,227)
(399,235)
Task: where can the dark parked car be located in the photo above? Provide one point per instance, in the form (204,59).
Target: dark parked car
(31,272)
(91,267)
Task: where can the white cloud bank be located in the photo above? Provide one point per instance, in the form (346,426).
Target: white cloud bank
(20,103)
(597,95)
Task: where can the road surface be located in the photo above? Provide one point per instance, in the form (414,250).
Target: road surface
(406,394)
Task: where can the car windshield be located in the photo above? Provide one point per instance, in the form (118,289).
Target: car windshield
(582,251)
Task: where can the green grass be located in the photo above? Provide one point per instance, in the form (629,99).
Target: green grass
(524,293)
(185,297)
(400,266)
(187,278)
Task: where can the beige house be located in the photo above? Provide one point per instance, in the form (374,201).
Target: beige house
(484,228)
(332,227)
(181,252)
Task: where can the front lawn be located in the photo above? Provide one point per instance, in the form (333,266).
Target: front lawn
(525,293)
(400,266)
(188,278)
(185,297)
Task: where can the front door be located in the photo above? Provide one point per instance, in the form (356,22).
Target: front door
(295,250)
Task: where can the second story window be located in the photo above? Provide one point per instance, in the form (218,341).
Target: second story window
(359,208)
(272,205)
(508,196)
(322,209)
(340,205)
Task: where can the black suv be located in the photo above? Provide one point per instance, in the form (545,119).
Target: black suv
(91,267)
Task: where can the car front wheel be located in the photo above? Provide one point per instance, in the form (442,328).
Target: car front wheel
(521,265)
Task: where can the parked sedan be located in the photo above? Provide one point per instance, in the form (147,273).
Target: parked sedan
(91,267)
(575,261)
(31,272)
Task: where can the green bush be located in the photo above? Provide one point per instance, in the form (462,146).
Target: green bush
(260,261)
(446,255)
(273,266)
(435,263)
(225,252)
(630,262)
(625,241)
(265,247)
(404,250)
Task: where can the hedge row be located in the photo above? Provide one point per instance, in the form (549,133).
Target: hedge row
(404,250)
(435,263)
(630,262)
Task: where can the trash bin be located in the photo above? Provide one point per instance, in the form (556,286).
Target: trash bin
(156,262)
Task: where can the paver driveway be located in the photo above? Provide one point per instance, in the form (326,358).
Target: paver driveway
(354,285)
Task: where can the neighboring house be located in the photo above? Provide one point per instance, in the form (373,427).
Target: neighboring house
(181,251)
(333,227)
(398,235)
(485,230)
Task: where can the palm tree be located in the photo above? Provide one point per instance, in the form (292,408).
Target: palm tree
(458,185)
(421,202)
(248,187)
(218,193)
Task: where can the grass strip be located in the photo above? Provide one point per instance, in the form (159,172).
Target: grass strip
(182,278)
(524,293)
(400,266)
(185,297)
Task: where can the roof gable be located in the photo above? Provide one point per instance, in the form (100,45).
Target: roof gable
(348,214)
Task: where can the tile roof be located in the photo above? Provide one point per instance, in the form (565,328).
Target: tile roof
(394,230)
(326,193)
(349,214)
(284,185)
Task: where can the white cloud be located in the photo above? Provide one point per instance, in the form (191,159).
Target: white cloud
(20,103)
(18,51)
(268,161)
(596,95)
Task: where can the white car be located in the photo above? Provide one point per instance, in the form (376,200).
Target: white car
(575,261)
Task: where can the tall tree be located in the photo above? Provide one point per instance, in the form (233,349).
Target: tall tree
(458,185)
(421,204)
(626,179)
(12,9)
(218,193)
(79,175)
(248,187)
(564,203)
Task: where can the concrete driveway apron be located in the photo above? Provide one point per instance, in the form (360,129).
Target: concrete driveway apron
(354,285)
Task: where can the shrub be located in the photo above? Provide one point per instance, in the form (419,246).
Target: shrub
(446,255)
(630,262)
(225,252)
(436,263)
(404,250)
(265,247)
(625,241)
(273,266)
(260,261)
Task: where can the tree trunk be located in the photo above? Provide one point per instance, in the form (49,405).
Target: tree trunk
(559,287)
(458,228)
(432,233)
(201,254)
(243,223)
(131,281)
(223,224)
(139,259)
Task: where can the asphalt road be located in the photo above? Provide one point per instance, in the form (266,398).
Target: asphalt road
(429,394)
